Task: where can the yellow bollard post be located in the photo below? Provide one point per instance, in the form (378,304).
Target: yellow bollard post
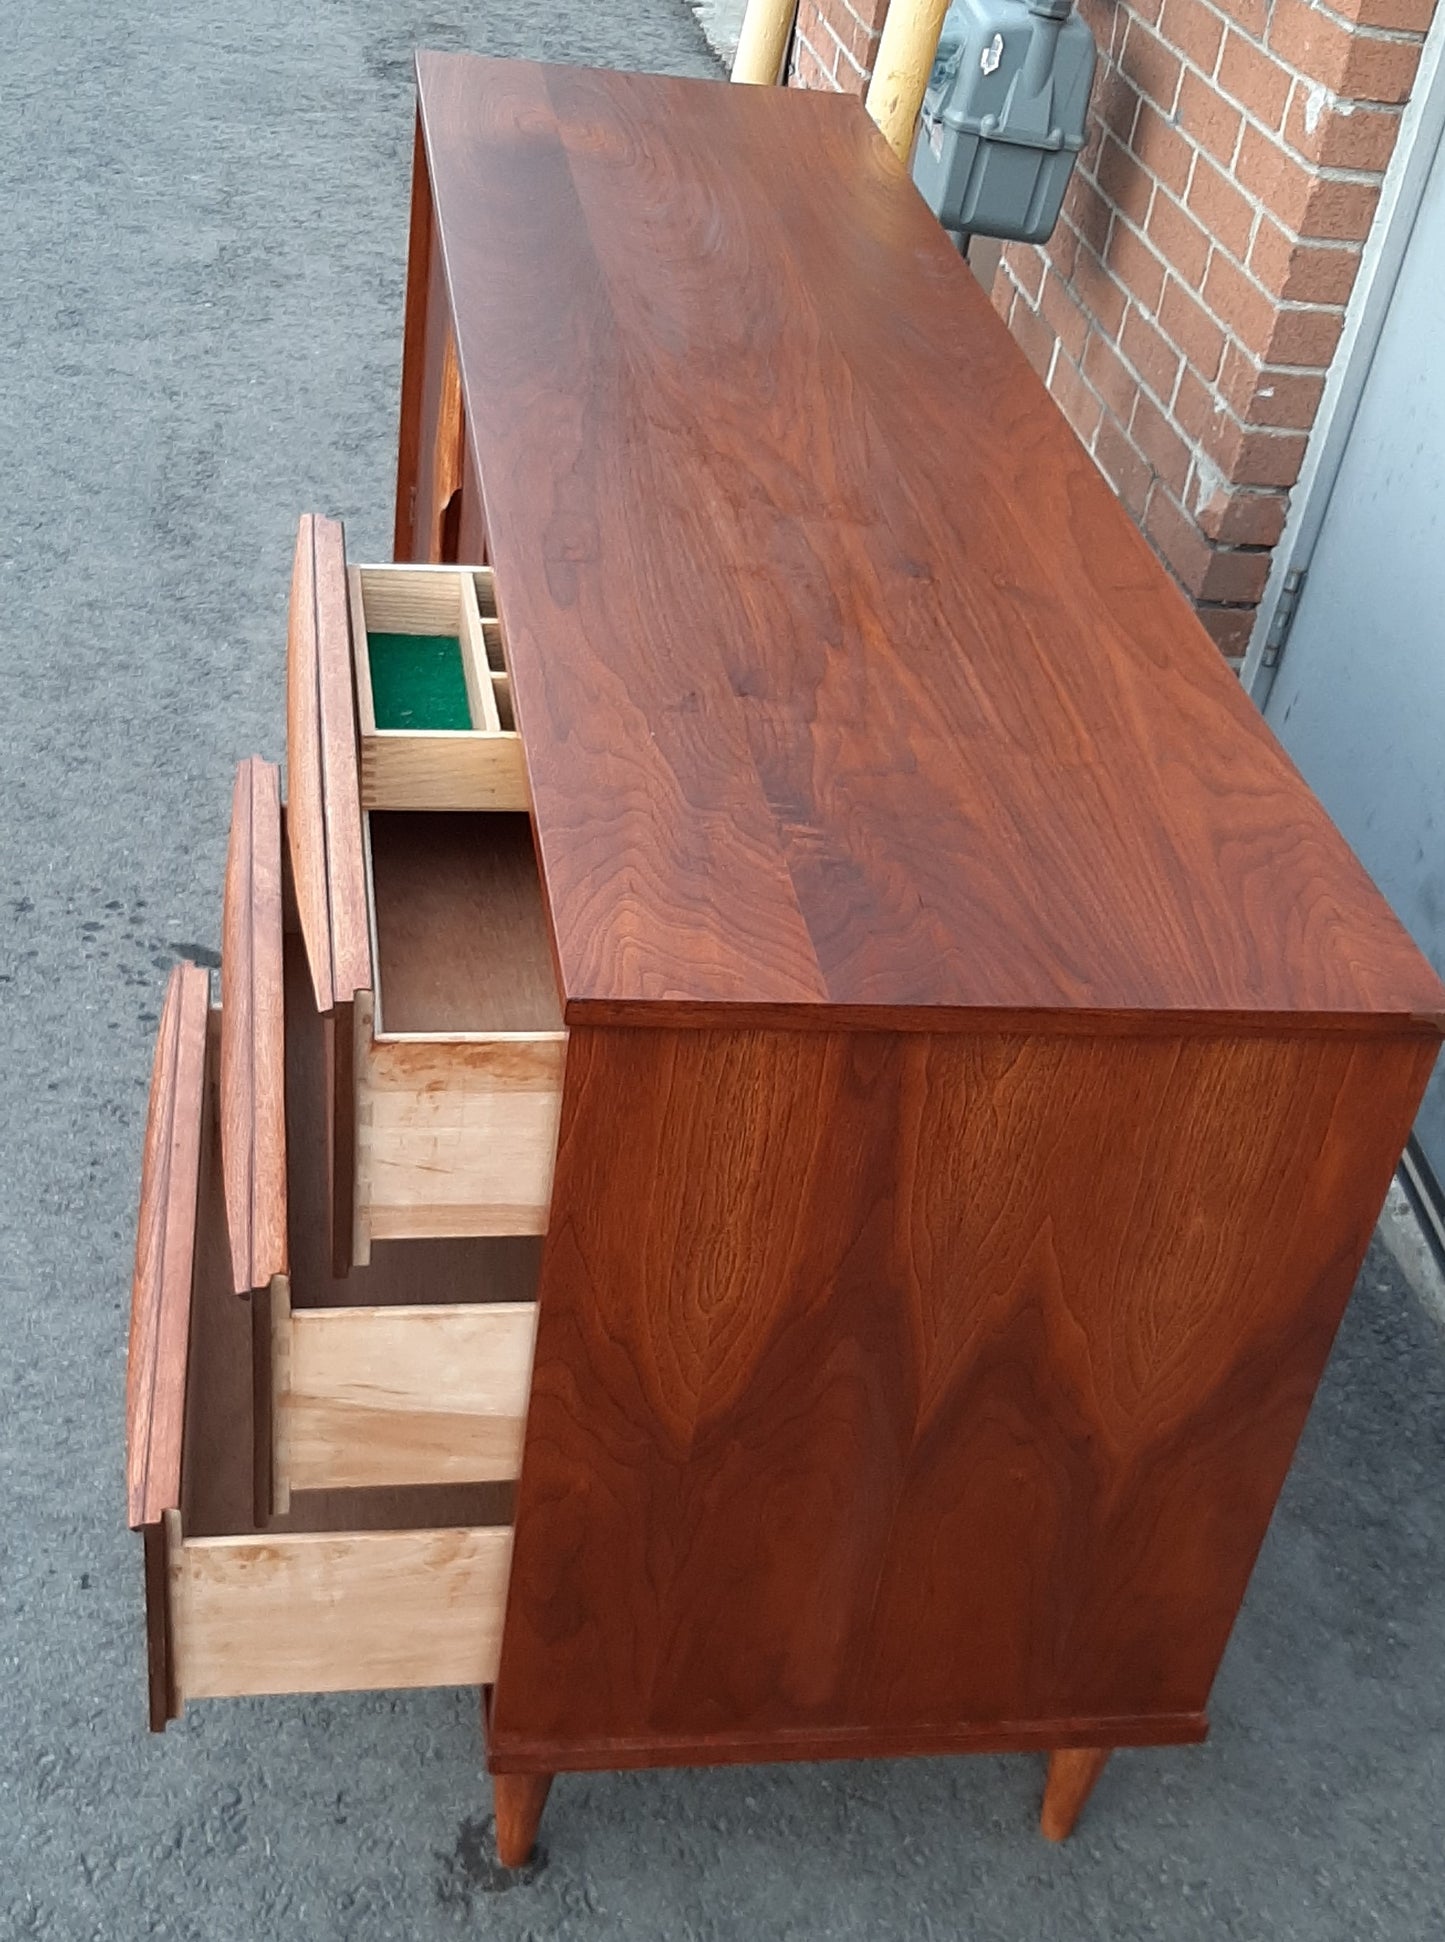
(905,58)
(763,43)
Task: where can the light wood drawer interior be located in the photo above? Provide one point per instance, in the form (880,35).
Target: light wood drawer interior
(412,1368)
(460,1044)
(434,704)
(352,1589)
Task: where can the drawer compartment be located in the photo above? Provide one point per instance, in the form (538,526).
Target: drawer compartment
(375,1396)
(321,1611)
(352,1590)
(433,702)
(426,937)
(412,1370)
(460,1044)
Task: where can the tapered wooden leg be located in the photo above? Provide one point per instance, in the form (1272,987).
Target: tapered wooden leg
(1072,1774)
(517,1803)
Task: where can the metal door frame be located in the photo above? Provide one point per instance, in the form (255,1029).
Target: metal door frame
(1421,128)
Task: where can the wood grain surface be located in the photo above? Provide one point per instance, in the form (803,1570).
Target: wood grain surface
(165,1251)
(253,1025)
(844,679)
(943,1394)
(461,933)
(323,790)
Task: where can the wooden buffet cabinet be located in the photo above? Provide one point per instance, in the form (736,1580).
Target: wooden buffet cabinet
(793,1177)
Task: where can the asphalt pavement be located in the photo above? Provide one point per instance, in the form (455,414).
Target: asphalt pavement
(202,239)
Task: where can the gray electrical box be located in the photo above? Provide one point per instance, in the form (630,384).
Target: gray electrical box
(1003,116)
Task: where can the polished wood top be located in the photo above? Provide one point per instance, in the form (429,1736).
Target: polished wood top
(848,689)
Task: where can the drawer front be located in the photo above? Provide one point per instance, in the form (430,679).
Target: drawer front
(323,830)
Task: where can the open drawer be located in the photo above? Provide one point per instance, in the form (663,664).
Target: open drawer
(433,701)
(412,1370)
(430,960)
(352,1590)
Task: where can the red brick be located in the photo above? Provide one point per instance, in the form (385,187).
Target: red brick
(1196,409)
(1075,399)
(1064,317)
(1179,240)
(1243,518)
(1136,266)
(1346,137)
(847,71)
(1340,211)
(1235,576)
(1153,68)
(1205,114)
(1227,215)
(1110,377)
(1033,337)
(1115,103)
(1229,628)
(1122,466)
(1281,181)
(1062,248)
(1004,290)
(1161,148)
(1124,181)
(1401,16)
(1189,325)
(1241,306)
(807,70)
(1027,265)
(1098,292)
(1101,17)
(1252,15)
(1179,542)
(1254,79)
(1301,272)
(1151,354)
(1263,394)
(1248,455)
(1312,205)
(1307,337)
(1328,49)
(1194,29)
(1168,455)
(1089,212)
(860,39)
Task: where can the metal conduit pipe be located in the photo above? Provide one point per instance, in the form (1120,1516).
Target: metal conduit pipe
(763,42)
(905,57)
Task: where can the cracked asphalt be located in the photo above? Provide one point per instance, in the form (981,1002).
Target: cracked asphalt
(201,267)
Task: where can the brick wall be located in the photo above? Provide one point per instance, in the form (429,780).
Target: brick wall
(1186,309)
(835,43)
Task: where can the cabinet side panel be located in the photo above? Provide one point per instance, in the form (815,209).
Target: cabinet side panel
(887,1386)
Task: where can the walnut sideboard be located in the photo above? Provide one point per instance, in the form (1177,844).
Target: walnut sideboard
(779,1187)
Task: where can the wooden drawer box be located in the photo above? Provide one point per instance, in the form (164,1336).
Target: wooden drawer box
(413,1370)
(433,701)
(352,1590)
(426,936)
